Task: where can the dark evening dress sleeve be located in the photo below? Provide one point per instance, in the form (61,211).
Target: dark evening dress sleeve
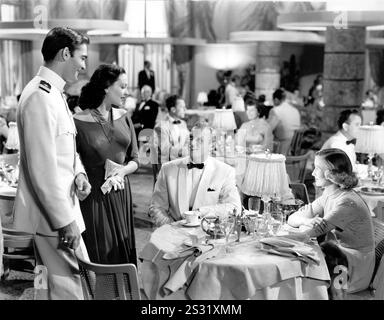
(109,235)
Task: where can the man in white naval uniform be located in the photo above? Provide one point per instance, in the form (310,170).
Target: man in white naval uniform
(52,177)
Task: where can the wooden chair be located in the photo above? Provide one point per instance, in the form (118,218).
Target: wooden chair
(296,167)
(300,191)
(17,246)
(108,282)
(297,139)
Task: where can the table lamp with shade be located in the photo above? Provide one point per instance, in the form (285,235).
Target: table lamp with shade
(370,140)
(266,176)
(224,124)
(202,98)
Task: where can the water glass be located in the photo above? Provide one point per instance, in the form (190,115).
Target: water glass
(254,205)
(227,225)
(277,220)
(251,224)
(262,227)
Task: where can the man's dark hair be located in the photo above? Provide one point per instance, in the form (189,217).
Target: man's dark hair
(147,64)
(59,38)
(171,101)
(279,94)
(344,117)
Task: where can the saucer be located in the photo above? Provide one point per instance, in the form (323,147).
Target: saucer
(185,224)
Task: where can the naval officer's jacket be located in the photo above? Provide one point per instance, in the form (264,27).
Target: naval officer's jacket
(45,199)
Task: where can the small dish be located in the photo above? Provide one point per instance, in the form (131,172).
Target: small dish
(190,225)
(372,191)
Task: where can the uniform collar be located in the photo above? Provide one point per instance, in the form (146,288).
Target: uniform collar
(52,77)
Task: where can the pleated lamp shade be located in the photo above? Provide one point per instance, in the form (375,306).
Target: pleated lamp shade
(224,120)
(13,137)
(370,139)
(202,97)
(266,175)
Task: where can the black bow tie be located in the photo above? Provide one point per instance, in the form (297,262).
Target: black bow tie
(195,165)
(351,141)
(176,122)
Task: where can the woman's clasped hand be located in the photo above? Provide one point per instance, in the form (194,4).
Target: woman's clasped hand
(116,182)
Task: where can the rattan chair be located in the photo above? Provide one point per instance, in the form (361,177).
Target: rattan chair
(297,139)
(17,246)
(300,191)
(108,282)
(296,167)
(375,290)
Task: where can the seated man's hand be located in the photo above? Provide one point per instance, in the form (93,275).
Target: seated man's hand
(83,187)
(70,235)
(137,125)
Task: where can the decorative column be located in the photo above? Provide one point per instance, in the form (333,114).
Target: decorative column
(267,68)
(344,69)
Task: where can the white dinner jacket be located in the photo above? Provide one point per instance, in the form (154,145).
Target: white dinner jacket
(169,200)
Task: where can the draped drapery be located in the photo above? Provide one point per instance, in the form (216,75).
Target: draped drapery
(15,71)
(131,58)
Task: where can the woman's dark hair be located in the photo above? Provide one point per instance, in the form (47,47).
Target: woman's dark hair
(380,117)
(73,102)
(340,167)
(59,38)
(93,93)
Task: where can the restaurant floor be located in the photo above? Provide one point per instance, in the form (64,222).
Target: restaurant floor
(19,284)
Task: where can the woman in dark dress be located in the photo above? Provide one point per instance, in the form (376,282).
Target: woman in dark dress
(107,133)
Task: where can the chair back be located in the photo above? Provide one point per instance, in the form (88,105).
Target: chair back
(300,191)
(108,282)
(10,159)
(17,240)
(297,139)
(18,245)
(296,167)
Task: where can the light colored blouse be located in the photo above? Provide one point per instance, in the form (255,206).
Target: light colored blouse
(257,127)
(350,215)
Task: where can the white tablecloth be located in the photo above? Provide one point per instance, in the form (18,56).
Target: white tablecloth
(245,273)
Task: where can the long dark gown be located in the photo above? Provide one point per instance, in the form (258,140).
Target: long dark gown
(109,235)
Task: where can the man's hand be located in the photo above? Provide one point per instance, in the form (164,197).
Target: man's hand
(83,187)
(70,235)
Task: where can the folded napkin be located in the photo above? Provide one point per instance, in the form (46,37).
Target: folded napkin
(181,275)
(291,248)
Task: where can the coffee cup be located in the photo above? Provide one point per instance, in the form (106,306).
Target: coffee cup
(191,217)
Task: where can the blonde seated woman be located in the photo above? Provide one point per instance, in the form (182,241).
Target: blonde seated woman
(343,216)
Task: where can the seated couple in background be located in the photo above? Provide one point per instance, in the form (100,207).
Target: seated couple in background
(193,182)
(344,218)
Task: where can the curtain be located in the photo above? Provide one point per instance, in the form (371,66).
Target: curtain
(15,71)
(131,58)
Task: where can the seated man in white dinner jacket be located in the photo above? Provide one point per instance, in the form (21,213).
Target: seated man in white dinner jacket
(193,182)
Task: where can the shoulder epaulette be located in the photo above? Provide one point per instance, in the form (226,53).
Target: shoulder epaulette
(45,86)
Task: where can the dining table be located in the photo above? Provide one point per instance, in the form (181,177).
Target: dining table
(243,270)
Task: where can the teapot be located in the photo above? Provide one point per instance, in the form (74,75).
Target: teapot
(211,226)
